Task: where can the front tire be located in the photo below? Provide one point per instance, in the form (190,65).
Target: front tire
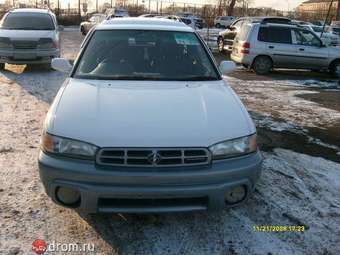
(218,25)
(2,66)
(262,65)
(335,69)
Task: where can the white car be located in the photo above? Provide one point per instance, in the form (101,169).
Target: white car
(324,33)
(263,46)
(145,123)
(29,36)
(223,21)
(95,19)
(117,13)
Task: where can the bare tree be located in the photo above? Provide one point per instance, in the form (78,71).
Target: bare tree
(231,7)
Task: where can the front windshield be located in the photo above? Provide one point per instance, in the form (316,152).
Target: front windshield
(145,55)
(28,21)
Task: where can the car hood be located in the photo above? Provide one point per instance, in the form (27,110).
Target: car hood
(148,113)
(27,34)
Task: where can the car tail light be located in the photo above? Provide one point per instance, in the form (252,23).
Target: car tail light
(245,48)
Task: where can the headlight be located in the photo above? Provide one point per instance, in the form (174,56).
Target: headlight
(68,147)
(235,147)
(47,43)
(5,43)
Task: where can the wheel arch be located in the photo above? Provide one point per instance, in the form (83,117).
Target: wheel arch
(333,62)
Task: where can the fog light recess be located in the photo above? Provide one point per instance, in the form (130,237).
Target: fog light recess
(235,195)
(68,196)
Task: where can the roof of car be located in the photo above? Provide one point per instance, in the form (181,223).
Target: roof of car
(277,25)
(144,24)
(35,10)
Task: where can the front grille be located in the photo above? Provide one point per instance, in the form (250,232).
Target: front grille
(25,44)
(150,157)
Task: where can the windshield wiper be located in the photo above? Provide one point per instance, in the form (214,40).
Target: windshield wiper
(200,78)
(119,77)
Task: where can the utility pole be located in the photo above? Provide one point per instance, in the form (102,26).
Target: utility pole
(338,10)
(329,11)
(149,5)
(79,11)
(96,5)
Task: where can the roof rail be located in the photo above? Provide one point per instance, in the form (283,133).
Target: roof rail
(277,20)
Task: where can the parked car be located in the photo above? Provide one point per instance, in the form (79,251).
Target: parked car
(148,15)
(28,36)
(223,21)
(335,31)
(226,38)
(145,123)
(324,34)
(172,17)
(318,22)
(95,19)
(117,12)
(191,20)
(263,47)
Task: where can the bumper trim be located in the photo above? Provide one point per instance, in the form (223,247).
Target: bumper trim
(94,183)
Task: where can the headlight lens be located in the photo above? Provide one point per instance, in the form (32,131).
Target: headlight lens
(5,43)
(46,43)
(68,147)
(235,147)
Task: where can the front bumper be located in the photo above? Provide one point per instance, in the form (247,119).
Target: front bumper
(187,189)
(29,56)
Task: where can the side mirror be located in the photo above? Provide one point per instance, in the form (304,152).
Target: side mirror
(61,64)
(227,67)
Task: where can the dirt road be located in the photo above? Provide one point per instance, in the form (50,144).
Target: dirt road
(300,185)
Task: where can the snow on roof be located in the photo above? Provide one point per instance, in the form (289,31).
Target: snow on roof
(31,10)
(144,23)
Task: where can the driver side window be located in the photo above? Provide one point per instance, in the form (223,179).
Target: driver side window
(307,38)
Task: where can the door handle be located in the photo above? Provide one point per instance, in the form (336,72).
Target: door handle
(301,49)
(271,47)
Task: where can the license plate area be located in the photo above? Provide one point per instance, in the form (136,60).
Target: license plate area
(24,56)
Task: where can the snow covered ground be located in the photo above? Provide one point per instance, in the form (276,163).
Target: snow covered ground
(296,188)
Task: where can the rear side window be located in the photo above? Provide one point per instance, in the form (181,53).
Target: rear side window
(275,35)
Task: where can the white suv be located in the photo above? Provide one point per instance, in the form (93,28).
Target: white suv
(223,21)
(145,123)
(263,46)
(28,36)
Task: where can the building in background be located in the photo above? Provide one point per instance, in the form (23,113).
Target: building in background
(316,9)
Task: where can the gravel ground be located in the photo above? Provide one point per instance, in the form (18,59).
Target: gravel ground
(300,184)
